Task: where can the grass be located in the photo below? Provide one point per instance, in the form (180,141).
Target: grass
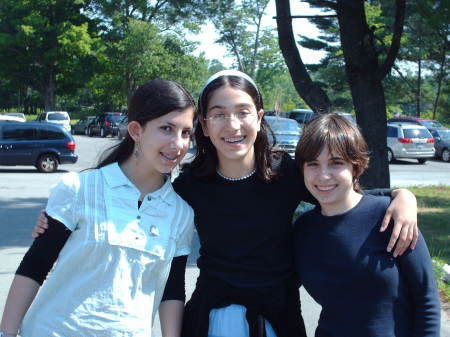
(434,223)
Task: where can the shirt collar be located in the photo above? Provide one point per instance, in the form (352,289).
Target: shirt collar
(115,177)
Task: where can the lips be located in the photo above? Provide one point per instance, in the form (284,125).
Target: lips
(234,140)
(173,158)
(325,188)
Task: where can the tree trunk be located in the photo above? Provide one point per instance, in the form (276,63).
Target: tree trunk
(362,70)
(440,78)
(419,86)
(49,98)
(311,93)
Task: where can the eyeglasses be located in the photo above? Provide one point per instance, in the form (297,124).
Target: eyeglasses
(220,118)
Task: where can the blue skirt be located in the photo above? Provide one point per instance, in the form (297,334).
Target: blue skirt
(231,322)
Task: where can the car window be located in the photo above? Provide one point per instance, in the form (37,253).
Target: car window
(50,134)
(432,124)
(392,132)
(114,118)
(416,133)
(57,116)
(13,132)
(282,126)
(444,134)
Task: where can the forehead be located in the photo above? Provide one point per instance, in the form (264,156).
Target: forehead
(181,118)
(229,97)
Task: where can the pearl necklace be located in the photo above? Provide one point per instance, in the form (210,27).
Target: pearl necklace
(238,178)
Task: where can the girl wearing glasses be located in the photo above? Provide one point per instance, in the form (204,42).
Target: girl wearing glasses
(244,196)
(116,232)
(340,254)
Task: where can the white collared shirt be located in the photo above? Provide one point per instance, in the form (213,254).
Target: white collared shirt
(110,275)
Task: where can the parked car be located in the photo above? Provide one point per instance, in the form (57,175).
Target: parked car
(442,143)
(18,115)
(428,123)
(44,146)
(60,118)
(7,118)
(105,124)
(122,128)
(406,140)
(287,133)
(302,116)
(82,126)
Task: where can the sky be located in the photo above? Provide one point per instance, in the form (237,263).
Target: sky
(216,51)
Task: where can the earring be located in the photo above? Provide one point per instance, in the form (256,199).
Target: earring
(136,150)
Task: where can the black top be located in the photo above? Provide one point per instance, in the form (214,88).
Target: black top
(245,227)
(343,263)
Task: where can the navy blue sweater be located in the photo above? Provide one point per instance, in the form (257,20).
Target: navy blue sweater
(343,264)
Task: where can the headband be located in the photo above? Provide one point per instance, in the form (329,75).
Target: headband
(231,72)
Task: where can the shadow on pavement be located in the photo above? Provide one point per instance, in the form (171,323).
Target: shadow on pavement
(17,218)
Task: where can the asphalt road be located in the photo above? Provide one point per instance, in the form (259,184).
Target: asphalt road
(23,192)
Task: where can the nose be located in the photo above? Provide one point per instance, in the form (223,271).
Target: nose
(324,172)
(233,122)
(177,142)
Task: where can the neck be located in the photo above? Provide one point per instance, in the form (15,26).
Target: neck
(145,180)
(342,206)
(236,168)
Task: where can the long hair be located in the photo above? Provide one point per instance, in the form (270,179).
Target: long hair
(206,161)
(340,136)
(150,101)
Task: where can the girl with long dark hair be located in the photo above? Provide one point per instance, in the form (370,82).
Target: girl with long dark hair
(119,235)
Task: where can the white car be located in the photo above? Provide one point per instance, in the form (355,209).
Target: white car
(56,117)
(405,140)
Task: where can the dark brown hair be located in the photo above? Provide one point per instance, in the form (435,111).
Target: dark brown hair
(205,163)
(340,136)
(150,101)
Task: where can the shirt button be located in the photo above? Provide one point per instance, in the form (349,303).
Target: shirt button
(149,198)
(138,217)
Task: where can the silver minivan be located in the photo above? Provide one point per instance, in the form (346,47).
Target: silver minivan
(406,140)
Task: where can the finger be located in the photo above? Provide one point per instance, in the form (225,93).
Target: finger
(415,236)
(386,220)
(404,240)
(394,236)
(42,219)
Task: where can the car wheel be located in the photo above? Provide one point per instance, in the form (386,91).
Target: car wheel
(421,160)
(90,132)
(390,155)
(86,131)
(47,163)
(119,135)
(445,155)
(102,132)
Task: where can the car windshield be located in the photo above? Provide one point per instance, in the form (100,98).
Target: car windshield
(283,127)
(432,124)
(57,116)
(416,133)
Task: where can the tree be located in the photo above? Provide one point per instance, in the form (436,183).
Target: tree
(364,68)
(45,43)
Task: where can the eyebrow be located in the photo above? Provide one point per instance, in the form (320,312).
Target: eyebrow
(174,125)
(240,105)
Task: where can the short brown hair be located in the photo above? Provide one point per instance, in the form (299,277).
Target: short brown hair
(340,136)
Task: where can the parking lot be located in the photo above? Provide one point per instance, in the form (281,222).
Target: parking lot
(23,192)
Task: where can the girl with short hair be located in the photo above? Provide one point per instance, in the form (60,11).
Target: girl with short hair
(340,255)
